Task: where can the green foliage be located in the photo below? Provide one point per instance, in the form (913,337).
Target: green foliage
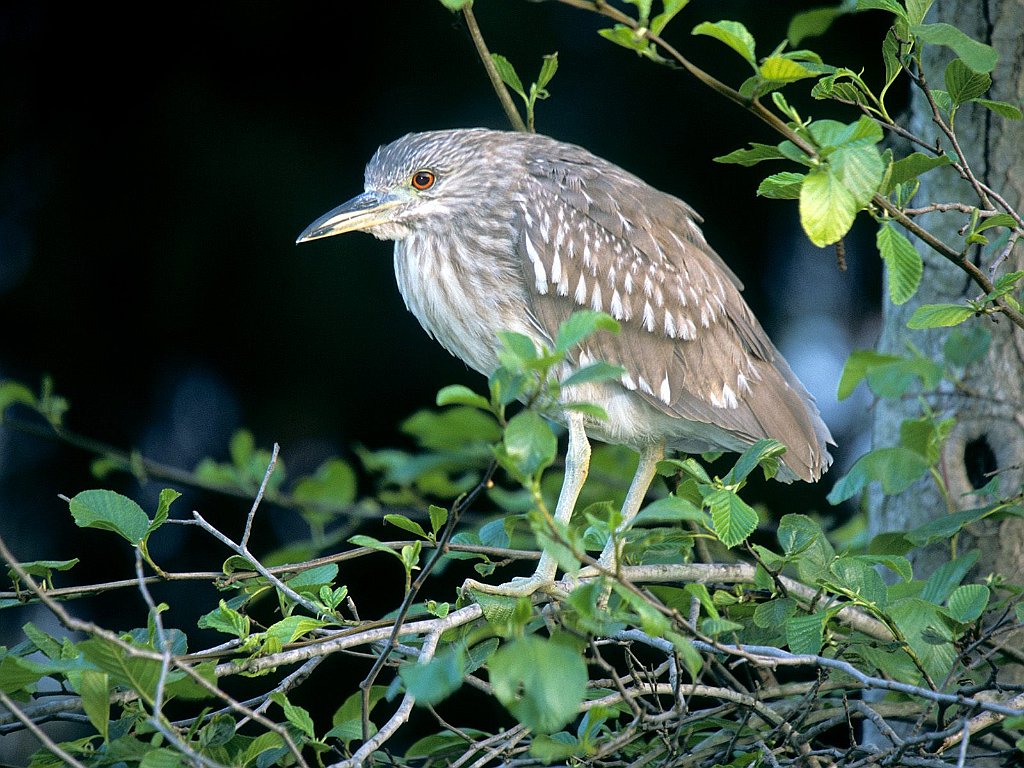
(595,669)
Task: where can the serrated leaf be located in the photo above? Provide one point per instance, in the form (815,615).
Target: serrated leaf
(508,74)
(762,450)
(733,34)
(895,468)
(403,522)
(672,7)
(774,613)
(295,715)
(752,156)
(857,366)
(860,168)
(458,394)
(968,602)
(904,266)
(813,22)
(806,634)
(827,208)
(438,517)
(783,70)
(939,316)
(547,70)
(733,519)
(927,633)
(94,689)
(435,681)
(529,443)
(858,577)
(892,6)
(781,186)
(964,84)
(595,372)
(912,166)
(108,510)
(671,509)
(139,674)
(967,345)
(541,682)
(1002,108)
(978,56)
(582,324)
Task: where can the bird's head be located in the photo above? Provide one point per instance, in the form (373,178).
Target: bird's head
(422,180)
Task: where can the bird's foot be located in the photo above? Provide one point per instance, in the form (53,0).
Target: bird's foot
(520,586)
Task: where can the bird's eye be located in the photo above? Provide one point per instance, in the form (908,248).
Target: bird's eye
(423,180)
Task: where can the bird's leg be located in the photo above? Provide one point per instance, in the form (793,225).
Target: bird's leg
(649,458)
(577,465)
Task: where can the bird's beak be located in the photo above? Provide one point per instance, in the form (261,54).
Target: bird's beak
(359,213)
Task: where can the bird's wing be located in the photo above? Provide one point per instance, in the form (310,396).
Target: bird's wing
(593,236)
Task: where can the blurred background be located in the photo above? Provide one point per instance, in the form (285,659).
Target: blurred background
(156,166)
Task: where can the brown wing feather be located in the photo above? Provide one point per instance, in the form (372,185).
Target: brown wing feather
(689,343)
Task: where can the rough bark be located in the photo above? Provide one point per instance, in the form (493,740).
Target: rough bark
(989,435)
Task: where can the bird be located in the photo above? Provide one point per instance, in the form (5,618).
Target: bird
(514,231)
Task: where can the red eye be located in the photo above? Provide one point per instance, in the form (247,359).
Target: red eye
(423,180)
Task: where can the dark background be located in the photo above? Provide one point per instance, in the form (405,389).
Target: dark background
(156,167)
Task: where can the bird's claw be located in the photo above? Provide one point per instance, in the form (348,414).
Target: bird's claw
(520,586)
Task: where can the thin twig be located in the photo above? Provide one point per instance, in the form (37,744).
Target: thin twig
(504,96)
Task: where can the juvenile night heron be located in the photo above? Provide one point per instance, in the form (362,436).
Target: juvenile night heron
(496,230)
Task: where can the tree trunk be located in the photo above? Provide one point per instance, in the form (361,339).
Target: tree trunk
(989,433)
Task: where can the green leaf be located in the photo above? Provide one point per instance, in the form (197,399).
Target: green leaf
(939,316)
(766,450)
(541,682)
(1002,108)
(454,428)
(582,324)
(892,6)
(333,482)
(968,602)
(671,509)
(904,266)
(529,443)
(458,394)
(857,366)
(947,577)
(438,517)
(291,628)
(752,156)
(435,681)
(139,674)
(733,34)
(547,70)
(443,745)
(783,70)
(110,511)
(508,74)
(296,715)
(967,345)
(895,468)
(12,392)
(672,7)
(860,168)
(944,527)
(925,628)
(827,208)
(814,22)
(858,577)
(774,613)
(163,509)
(781,186)
(977,56)
(963,83)
(226,619)
(733,519)
(403,522)
(912,166)
(597,371)
(806,634)
(456,5)
(94,689)
(162,757)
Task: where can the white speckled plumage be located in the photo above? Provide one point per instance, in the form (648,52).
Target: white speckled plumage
(555,229)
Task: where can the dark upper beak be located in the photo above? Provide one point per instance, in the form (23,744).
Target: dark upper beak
(359,213)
